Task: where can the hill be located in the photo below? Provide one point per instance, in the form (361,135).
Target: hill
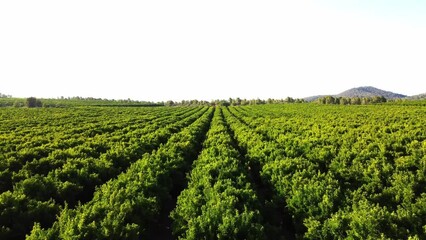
(313,98)
(417,97)
(367,91)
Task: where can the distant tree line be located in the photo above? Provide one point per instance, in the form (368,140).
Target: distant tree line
(231,102)
(351,101)
(5,96)
(90,101)
(61,102)
(107,101)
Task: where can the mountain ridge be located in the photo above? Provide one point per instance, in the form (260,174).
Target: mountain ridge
(364,91)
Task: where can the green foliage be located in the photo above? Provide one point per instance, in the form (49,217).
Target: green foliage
(32,102)
(259,171)
(219,201)
(68,165)
(126,207)
(351,101)
(357,179)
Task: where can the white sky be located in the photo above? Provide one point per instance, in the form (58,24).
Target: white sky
(158,50)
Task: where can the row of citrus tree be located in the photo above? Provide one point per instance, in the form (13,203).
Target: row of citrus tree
(220,201)
(130,206)
(254,172)
(343,172)
(34,189)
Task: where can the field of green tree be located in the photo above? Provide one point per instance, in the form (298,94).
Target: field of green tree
(218,171)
